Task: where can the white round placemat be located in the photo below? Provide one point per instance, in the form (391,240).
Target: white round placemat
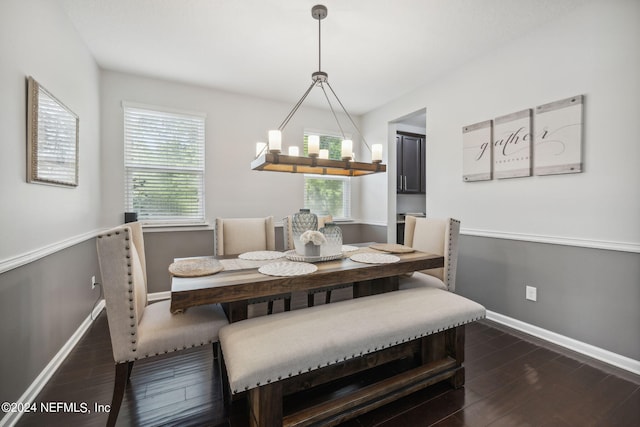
(287,268)
(349,248)
(371,258)
(197,267)
(261,255)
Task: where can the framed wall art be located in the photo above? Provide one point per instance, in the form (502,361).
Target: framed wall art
(477,152)
(512,145)
(52,138)
(558,144)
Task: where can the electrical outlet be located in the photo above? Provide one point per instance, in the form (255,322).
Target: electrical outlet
(93,282)
(531,293)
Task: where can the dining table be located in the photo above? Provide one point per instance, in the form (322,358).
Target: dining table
(238,281)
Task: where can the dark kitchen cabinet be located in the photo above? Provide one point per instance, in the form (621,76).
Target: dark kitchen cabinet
(411,163)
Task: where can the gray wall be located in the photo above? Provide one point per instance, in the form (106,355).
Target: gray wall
(588,294)
(43,303)
(41,306)
(591,295)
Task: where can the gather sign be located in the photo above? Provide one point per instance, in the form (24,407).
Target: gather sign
(508,146)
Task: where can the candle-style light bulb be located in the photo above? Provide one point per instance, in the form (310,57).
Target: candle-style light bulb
(275,141)
(347,149)
(376,153)
(313,145)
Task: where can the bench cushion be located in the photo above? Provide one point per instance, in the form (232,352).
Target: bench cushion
(265,349)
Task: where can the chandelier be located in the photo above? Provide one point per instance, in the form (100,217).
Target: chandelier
(270,158)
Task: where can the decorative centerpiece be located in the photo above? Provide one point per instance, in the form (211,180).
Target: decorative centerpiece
(301,222)
(333,235)
(312,241)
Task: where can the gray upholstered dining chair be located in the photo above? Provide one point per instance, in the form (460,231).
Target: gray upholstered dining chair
(140,330)
(436,236)
(234,236)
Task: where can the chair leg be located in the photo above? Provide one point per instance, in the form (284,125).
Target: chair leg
(123,371)
(217,358)
(270,307)
(327,297)
(215,351)
(129,369)
(287,304)
(311,299)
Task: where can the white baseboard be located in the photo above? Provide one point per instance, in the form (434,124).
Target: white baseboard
(10,419)
(30,395)
(159,296)
(598,353)
(623,362)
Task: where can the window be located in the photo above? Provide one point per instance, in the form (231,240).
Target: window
(327,194)
(164,164)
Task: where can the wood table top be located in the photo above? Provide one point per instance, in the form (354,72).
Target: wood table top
(248,283)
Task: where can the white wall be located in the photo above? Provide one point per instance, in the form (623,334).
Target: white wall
(234,124)
(596,52)
(38,40)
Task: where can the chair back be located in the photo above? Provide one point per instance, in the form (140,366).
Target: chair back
(436,236)
(287,229)
(122,266)
(237,235)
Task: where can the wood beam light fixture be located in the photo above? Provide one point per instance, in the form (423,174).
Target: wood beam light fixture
(269,157)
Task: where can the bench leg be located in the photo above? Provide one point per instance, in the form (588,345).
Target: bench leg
(454,341)
(448,343)
(265,405)
(224,380)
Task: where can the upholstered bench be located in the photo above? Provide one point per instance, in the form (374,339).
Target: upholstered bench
(272,356)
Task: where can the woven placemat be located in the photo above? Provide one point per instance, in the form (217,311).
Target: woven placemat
(392,248)
(287,268)
(196,267)
(261,255)
(374,258)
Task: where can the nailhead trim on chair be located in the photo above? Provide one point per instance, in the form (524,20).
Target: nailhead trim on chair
(448,267)
(177,349)
(132,316)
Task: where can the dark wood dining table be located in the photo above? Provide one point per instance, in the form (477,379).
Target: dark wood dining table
(237,284)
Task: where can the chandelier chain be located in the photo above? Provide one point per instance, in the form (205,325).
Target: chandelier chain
(319,12)
(319,45)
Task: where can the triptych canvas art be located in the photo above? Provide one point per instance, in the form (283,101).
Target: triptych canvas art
(521,143)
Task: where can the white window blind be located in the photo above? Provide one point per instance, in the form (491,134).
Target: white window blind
(327,194)
(164,164)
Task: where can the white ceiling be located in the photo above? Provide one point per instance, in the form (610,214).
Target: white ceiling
(373,50)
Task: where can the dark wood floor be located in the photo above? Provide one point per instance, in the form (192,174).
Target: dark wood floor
(512,380)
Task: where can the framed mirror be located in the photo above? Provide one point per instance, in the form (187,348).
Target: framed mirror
(52,138)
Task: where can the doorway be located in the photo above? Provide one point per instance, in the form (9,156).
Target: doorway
(402,198)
